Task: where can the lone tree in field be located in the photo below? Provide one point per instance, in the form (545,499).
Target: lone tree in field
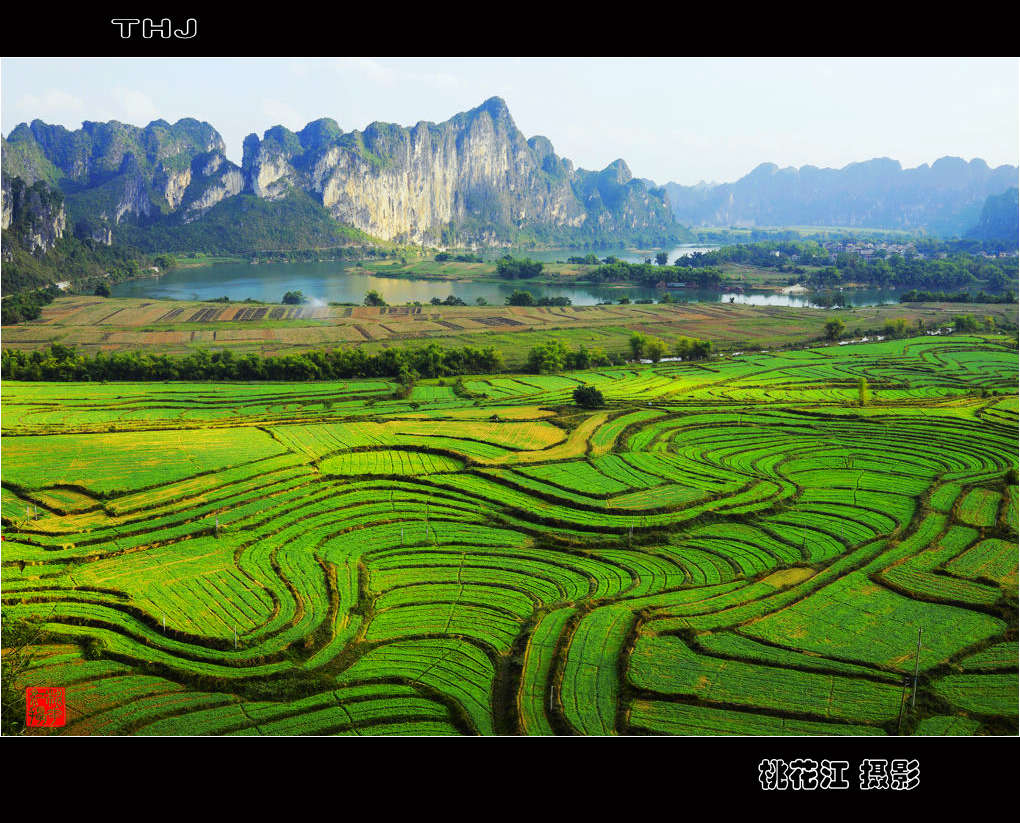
(655,349)
(638,342)
(834,329)
(862,391)
(373,298)
(588,397)
(294,298)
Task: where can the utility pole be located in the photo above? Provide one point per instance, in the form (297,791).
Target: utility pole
(917,661)
(903,699)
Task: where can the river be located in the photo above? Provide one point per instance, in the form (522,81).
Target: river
(336,283)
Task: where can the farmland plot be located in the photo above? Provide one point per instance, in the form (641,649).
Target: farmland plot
(730,549)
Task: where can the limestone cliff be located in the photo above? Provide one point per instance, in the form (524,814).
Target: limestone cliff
(474,174)
(471,179)
(34,213)
(113,171)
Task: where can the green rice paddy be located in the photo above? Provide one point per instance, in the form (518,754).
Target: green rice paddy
(731,547)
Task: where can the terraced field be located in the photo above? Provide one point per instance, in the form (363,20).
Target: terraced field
(732,547)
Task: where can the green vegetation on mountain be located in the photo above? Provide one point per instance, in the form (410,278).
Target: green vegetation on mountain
(169,187)
(246,224)
(82,264)
(39,251)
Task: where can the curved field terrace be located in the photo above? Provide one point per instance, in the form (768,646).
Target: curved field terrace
(731,547)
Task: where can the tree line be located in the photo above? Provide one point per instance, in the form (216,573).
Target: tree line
(58,362)
(915,296)
(554,356)
(936,265)
(65,363)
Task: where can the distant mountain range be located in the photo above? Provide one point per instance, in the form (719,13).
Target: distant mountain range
(945,198)
(472,179)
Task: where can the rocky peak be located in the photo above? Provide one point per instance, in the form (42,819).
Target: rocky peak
(474,170)
(619,172)
(33,213)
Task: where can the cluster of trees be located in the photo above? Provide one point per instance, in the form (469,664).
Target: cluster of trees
(451,300)
(960,267)
(958,272)
(526,298)
(445,257)
(648,275)
(769,254)
(27,305)
(318,255)
(65,363)
(294,298)
(968,322)
(691,348)
(915,296)
(591,260)
(518,269)
(646,347)
(554,356)
(588,397)
(898,327)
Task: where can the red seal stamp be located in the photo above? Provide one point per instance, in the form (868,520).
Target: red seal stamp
(45,706)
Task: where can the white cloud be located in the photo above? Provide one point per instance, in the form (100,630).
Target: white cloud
(135,107)
(390,75)
(283,114)
(441,80)
(368,68)
(53,104)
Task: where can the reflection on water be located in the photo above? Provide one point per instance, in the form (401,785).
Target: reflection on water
(628,255)
(333,283)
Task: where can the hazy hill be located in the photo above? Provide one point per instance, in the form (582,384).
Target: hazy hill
(944,198)
(1000,219)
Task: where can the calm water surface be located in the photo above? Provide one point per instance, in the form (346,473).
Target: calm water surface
(335,283)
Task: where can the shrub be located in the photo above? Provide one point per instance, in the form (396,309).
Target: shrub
(834,329)
(588,397)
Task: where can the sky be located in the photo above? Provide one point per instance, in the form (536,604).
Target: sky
(684,120)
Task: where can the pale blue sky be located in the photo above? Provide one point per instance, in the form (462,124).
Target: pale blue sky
(671,119)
